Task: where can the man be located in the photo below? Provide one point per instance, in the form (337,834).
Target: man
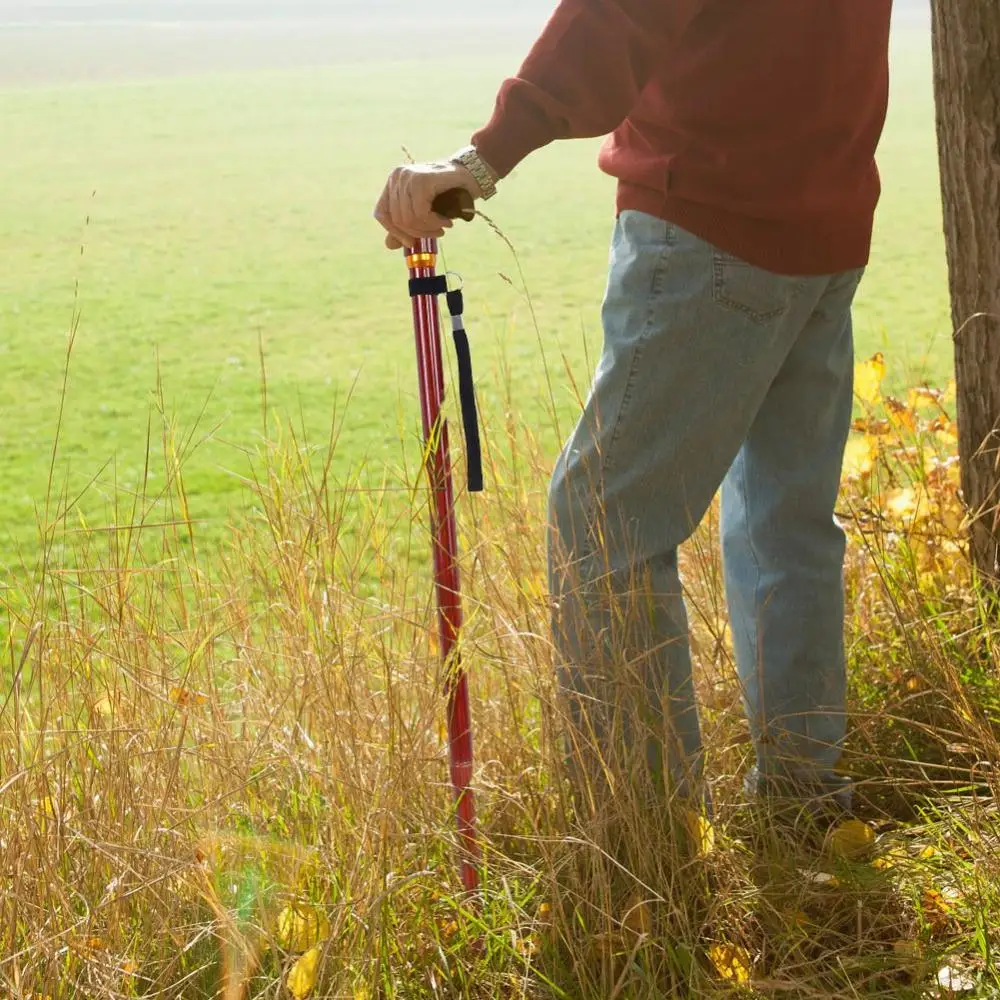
(743,137)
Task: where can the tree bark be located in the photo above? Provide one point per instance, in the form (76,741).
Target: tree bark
(967,87)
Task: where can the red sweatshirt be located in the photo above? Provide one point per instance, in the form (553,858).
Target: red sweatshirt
(751,123)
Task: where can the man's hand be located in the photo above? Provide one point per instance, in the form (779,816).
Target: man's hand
(405,211)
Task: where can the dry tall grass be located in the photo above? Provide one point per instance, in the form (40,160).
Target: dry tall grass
(224,772)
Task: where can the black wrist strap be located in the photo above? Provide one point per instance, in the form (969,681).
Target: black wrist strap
(466,386)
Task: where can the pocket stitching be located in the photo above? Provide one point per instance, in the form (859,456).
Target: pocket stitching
(719,265)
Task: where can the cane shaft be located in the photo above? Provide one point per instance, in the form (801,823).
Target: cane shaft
(422,260)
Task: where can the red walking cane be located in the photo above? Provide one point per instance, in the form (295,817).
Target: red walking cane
(425,287)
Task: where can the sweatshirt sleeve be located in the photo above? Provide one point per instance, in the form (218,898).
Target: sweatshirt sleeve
(581,79)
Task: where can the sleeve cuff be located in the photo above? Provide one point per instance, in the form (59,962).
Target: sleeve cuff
(509,138)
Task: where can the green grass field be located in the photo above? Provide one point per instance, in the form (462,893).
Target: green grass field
(222,756)
(230,210)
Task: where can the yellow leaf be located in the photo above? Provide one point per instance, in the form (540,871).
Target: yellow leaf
(859,458)
(936,910)
(852,839)
(902,502)
(528,946)
(890,859)
(303,974)
(923,395)
(731,963)
(545,912)
(868,377)
(185,698)
(902,417)
(953,516)
(300,928)
(700,832)
(946,431)
(872,427)
(927,853)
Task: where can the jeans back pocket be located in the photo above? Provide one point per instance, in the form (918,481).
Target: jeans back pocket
(760,295)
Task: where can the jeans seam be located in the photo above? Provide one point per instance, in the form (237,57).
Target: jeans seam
(758,576)
(638,353)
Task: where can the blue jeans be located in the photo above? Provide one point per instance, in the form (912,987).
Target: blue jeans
(714,373)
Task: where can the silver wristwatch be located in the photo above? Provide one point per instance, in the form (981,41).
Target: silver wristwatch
(470,159)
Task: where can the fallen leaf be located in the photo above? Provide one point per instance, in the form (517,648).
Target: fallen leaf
(927,853)
(852,840)
(872,427)
(302,976)
(186,698)
(900,414)
(528,946)
(700,832)
(946,431)
(902,502)
(924,395)
(859,457)
(820,878)
(955,980)
(936,911)
(731,963)
(890,859)
(868,377)
(301,928)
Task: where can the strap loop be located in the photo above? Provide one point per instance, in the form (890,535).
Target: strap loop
(466,385)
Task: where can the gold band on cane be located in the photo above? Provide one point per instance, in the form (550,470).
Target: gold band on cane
(415,260)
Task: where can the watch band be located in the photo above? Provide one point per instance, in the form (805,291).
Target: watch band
(469,158)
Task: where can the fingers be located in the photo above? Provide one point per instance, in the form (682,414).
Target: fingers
(405,210)
(401,212)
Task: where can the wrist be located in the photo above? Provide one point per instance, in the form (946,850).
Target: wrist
(483,174)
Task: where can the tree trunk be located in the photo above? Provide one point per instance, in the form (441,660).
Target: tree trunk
(967,85)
